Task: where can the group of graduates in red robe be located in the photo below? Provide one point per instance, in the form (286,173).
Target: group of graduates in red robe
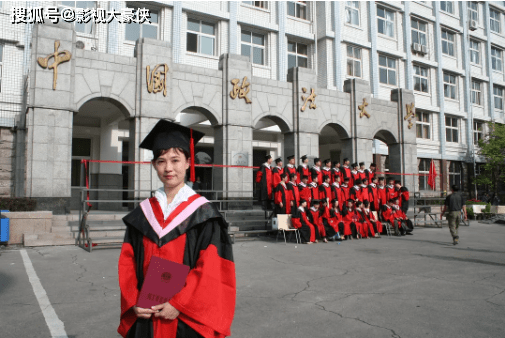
(339,202)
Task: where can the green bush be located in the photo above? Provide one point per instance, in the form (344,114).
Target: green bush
(469,212)
(476,203)
(18,204)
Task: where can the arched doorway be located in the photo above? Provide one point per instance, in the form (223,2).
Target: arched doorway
(330,142)
(101,131)
(268,139)
(384,144)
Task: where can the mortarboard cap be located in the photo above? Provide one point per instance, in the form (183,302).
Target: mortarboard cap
(354,164)
(303,158)
(346,159)
(327,161)
(361,164)
(317,159)
(267,157)
(277,160)
(291,157)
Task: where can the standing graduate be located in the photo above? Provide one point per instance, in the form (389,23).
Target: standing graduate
(325,190)
(365,192)
(316,170)
(326,170)
(277,172)
(179,225)
(281,196)
(294,194)
(303,169)
(346,171)
(336,191)
(354,174)
(314,188)
(390,189)
(382,193)
(336,172)
(300,221)
(264,180)
(374,194)
(290,168)
(370,173)
(361,171)
(304,189)
(345,190)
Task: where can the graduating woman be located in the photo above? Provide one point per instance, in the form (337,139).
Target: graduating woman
(179,225)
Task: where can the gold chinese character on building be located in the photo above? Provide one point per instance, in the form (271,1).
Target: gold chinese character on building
(240,90)
(157,79)
(311,98)
(362,108)
(59,57)
(410,114)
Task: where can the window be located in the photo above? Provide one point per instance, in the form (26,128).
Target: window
(201,37)
(455,171)
(253,44)
(473,11)
(86,28)
(1,65)
(387,70)
(450,86)
(474,52)
(385,22)
(451,129)
(447,42)
(496,59)
(423,125)
(352,12)
(476,93)
(478,131)
(297,9)
(494,20)
(297,55)
(418,32)
(424,170)
(353,61)
(259,4)
(421,79)
(134,31)
(447,6)
(498,97)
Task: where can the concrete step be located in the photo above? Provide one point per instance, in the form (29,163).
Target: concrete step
(60,229)
(46,240)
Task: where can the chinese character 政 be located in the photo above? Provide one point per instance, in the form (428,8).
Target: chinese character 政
(240,91)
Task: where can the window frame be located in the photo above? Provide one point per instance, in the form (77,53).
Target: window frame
(450,84)
(421,78)
(498,97)
(157,25)
(388,70)
(448,42)
(349,8)
(454,130)
(446,9)
(298,5)
(253,4)
(494,20)
(478,131)
(418,31)
(497,59)
(472,10)
(455,170)
(424,168)
(2,47)
(476,93)
(474,51)
(199,34)
(75,23)
(253,45)
(423,125)
(354,60)
(386,20)
(297,55)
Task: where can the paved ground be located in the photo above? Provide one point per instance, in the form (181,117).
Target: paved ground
(416,286)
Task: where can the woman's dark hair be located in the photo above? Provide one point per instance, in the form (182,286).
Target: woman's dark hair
(160,152)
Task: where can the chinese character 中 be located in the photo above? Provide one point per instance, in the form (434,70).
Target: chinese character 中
(311,98)
(362,109)
(157,79)
(59,57)
(410,114)
(241,91)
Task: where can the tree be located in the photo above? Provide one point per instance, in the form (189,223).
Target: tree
(492,148)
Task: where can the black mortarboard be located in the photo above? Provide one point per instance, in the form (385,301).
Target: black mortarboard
(398,182)
(358,181)
(291,157)
(350,200)
(327,161)
(373,164)
(167,135)
(317,159)
(277,160)
(346,159)
(361,164)
(303,158)
(314,202)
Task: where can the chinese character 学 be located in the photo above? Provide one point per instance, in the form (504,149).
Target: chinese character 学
(240,91)
(157,79)
(59,57)
(311,98)
(362,109)
(410,114)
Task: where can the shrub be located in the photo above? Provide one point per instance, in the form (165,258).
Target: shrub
(18,204)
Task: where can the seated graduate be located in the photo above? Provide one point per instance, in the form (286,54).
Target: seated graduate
(314,188)
(300,221)
(389,215)
(314,218)
(407,224)
(290,168)
(324,218)
(281,198)
(304,189)
(335,221)
(325,189)
(277,171)
(350,219)
(365,191)
(177,224)
(294,193)
(336,172)
(370,217)
(367,227)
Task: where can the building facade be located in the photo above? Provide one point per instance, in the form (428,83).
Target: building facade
(398,83)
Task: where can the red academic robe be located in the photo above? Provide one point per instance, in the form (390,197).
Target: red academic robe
(325,191)
(355,193)
(281,196)
(194,234)
(289,169)
(276,176)
(317,171)
(300,221)
(346,173)
(264,178)
(314,191)
(365,193)
(345,192)
(367,225)
(354,177)
(315,219)
(404,198)
(389,214)
(362,174)
(336,192)
(336,172)
(391,192)
(381,192)
(370,175)
(336,223)
(305,192)
(350,216)
(326,172)
(303,171)
(372,219)
(294,195)
(374,197)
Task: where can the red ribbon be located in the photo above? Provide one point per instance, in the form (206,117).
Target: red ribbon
(192,154)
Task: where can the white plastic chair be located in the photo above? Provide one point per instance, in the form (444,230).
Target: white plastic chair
(284,224)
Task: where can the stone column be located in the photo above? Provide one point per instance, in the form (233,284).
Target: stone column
(49,119)
(233,139)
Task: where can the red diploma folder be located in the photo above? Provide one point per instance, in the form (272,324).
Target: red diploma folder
(162,281)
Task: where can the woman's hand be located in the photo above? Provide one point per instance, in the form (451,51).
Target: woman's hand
(165,311)
(143,313)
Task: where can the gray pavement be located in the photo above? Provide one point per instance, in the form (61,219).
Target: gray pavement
(414,286)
